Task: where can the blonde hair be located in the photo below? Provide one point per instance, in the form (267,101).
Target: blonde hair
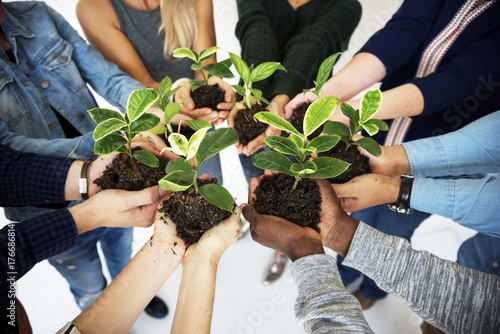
(178,22)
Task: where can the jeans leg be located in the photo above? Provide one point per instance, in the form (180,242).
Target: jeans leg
(116,245)
(212,167)
(482,253)
(82,268)
(249,169)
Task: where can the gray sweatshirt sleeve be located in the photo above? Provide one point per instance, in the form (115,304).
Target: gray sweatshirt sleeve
(453,298)
(323,304)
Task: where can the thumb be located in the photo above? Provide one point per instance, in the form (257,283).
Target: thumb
(249,213)
(342,190)
(144,197)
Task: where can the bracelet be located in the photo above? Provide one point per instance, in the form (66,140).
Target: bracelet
(402,205)
(83,179)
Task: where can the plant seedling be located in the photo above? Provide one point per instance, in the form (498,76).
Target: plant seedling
(300,147)
(250,75)
(324,72)
(135,121)
(358,120)
(220,69)
(202,145)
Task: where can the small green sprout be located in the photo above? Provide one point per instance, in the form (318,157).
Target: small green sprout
(324,72)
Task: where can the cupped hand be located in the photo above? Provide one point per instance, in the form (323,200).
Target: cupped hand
(165,233)
(297,101)
(229,98)
(183,96)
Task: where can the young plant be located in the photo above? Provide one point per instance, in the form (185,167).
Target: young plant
(135,121)
(358,120)
(324,72)
(181,174)
(249,75)
(220,69)
(300,147)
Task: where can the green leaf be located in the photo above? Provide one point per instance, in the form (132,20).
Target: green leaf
(239,89)
(165,86)
(197,124)
(370,104)
(265,70)
(378,123)
(370,128)
(171,110)
(256,93)
(227,62)
(276,121)
(178,143)
(109,144)
(282,145)
(328,168)
(108,126)
(147,158)
(274,161)
(178,180)
(99,115)
(196,67)
(161,102)
(219,70)
(298,140)
(169,94)
(323,143)
(214,142)
(308,151)
(194,142)
(185,52)
(349,111)
(218,196)
(305,168)
(178,164)
(370,145)
(144,123)
(196,83)
(318,113)
(337,128)
(325,70)
(139,101)
(241,67)
(208,53)
(123,149)
(262,99)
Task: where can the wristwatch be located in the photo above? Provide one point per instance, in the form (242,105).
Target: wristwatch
(402,205)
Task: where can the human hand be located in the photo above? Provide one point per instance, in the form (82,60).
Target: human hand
(229,98)
(297,101)
(165,234)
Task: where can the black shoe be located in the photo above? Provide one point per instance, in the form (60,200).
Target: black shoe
(157,308)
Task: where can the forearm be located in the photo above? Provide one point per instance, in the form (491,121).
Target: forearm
(442,292)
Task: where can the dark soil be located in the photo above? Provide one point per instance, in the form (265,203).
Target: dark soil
(248,128)
(185,130)
(208,97)
(300,206)
(297,120)
(192,214)
(360,164)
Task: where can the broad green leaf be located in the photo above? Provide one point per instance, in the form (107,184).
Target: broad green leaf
(122,149)
(108,126)
(214,142)
(109,144)
(370,145)
(274,161)
(227,62)
(239,89)
(241,67)
(178,143)
(308,151)
(298,140)
(349,111)
(218,196)
(147,158)
(196,67)
(99,115)
(160,129)
(318,113)
(179,164)
(256,93)
(145,123)
(370,128)
(323,143)
(197,124)
(185,52)
(208,53)
(171,110)
(305,168)
(165,86)
(325,70)
(336,128)
(196,83)
(219,70)
(139,101)
(370,104)
(276,121)
(161,102)
(328,168)
(378,123)
(264,70)
(178,180)
(282,145)
(194,142)
(169,94)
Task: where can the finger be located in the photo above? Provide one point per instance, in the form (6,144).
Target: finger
(205,177)
(210,117)
(223,114)
(179,117)
(249,213)
(146,196)
(255,144)
(254,183)
(200,112)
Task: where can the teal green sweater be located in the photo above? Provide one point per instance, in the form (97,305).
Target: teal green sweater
(271,30)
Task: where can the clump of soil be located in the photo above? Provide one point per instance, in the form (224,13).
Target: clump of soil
(301,206)
(122,175)
(207,96)
(248,128)
(360,164)
(184,130)
(297,120)
(192,214)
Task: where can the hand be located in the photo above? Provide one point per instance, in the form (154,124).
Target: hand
(297,101)
(278,233)
(165,234)
(229,98)
(367,190)
(118,208)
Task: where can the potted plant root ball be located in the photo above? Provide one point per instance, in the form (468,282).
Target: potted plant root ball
(292,194)
(196,205)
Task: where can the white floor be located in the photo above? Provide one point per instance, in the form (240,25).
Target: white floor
(242,304)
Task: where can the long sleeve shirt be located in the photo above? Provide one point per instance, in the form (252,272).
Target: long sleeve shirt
(453,298)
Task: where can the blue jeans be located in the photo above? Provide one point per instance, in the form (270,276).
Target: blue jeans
(212,167)
(389,222)
(482,253)
(81,265)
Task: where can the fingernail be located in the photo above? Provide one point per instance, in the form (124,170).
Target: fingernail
(162,192)
(208,111)
(190,105)
(229,99)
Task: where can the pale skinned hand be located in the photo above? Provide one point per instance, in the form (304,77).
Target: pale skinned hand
(297,101)
(165,233)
